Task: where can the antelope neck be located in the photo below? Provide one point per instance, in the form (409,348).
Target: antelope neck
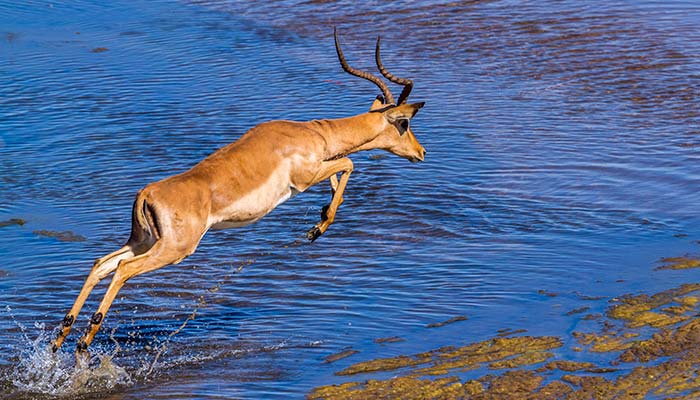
(348,135)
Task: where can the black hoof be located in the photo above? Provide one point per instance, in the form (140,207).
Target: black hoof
(54,348)
(324,212)
(96,318)
(313,234)
(82,347)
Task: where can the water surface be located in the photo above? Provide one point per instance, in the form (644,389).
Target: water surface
(562,143)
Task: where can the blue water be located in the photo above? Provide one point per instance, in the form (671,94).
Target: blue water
(563,148)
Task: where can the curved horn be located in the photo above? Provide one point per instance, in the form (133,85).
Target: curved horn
(407,83)
(389,98)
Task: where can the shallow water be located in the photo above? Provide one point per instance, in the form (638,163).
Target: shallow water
(562,143)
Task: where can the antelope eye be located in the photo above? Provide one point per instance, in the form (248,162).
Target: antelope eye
(402,126)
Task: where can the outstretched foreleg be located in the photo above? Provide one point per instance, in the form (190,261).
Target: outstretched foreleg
(334,186)
(329,170)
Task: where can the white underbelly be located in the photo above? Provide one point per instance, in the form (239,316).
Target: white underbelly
(231,224)
(251,208)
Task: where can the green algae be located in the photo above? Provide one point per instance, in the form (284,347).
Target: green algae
(497,353)
(680,263)
(637,310)
(602,343)
(400,387)
(568,366)
(528,358)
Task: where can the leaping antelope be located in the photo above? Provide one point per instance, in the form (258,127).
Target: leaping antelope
(245,180)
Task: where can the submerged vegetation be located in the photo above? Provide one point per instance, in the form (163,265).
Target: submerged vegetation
(680,263)
(63,236)
(449,321)
(653,342)
(12,221)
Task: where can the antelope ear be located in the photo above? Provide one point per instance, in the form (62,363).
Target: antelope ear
(404,111)
(377,104)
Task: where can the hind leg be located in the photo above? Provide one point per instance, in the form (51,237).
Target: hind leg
(156,257)
(100,269)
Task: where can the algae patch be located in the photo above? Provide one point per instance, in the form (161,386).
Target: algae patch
(509,332)
(680,263)
(654,341)
(391,339)
(577,311)
(339,356)
(497,353)
(12,221)
(63,236)
(449,321)
(637,310)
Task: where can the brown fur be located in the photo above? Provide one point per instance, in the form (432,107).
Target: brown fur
(239,184)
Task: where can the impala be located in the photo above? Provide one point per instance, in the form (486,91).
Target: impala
(245,180)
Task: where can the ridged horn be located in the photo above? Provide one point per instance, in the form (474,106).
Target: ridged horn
(389,98)
(407,83)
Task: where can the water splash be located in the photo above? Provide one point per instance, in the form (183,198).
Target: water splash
(40,371)
(164,346)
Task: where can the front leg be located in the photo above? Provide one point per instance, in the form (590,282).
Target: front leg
(329,169)
(334,186)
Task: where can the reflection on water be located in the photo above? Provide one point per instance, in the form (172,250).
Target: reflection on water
(562,143)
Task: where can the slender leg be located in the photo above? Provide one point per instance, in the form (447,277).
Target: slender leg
(329,169)
(127,269)
(334,187)
(334,184)
(100,269)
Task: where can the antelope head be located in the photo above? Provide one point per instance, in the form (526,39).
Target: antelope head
(395,134)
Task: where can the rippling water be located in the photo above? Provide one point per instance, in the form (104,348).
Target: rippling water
(563,148)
